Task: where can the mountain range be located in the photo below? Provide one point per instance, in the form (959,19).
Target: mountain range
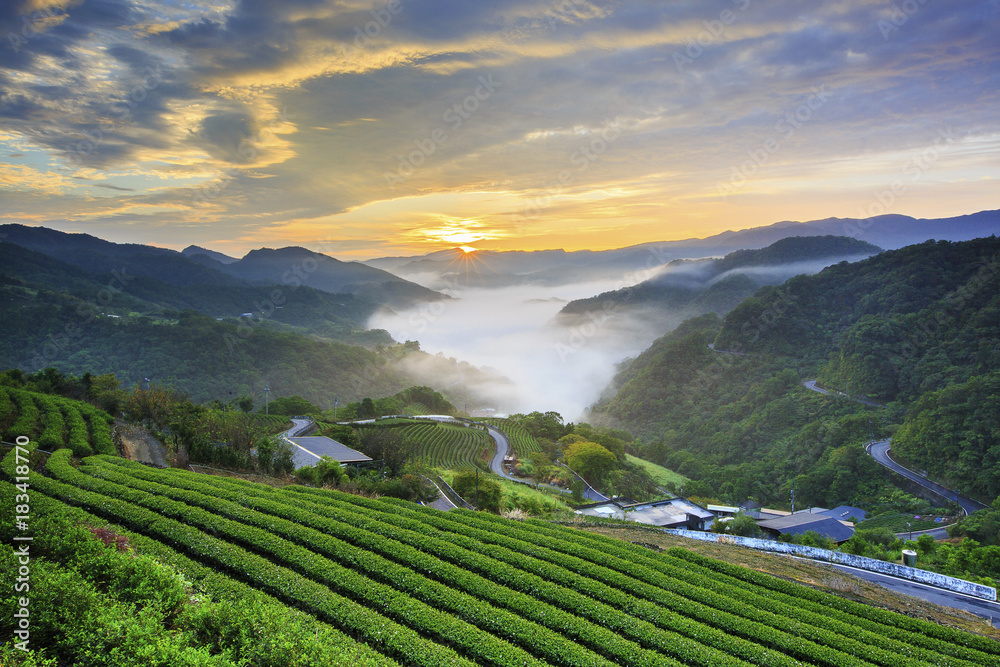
(456,268)
(285,268)
(915,329)
(718,285)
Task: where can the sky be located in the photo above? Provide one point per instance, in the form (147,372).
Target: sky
(367,129)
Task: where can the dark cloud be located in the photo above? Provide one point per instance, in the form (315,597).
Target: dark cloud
(106,87)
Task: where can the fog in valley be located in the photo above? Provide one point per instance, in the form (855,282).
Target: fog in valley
(553,361)
(512,330)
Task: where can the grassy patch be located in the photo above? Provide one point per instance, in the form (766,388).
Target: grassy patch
(663,476)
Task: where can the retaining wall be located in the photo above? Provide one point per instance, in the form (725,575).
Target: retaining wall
(841,558)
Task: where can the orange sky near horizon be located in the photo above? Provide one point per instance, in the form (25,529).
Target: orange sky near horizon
(363,132)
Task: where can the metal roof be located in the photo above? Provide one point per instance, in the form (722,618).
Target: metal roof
(658,513)
(309,449)
(797,524)
(845,512)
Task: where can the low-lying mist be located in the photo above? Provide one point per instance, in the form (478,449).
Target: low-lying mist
(513,330)
(564,361)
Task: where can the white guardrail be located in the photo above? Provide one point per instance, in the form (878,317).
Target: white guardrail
(841,558)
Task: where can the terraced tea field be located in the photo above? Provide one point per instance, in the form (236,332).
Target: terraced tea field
(422,587)
(449,446)
(523,442)
(55,422)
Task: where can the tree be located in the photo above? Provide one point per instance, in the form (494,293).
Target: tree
(541,466)
(741,525)
(105,391)
(151,405)
(291,405)
(479,490)
(388,445)
(590,460)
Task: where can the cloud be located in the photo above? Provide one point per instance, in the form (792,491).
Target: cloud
(256,118)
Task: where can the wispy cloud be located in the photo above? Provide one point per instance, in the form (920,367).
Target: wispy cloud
(248,120)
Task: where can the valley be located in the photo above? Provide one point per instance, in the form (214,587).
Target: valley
(521,398)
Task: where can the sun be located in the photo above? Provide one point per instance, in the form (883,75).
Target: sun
(467,249)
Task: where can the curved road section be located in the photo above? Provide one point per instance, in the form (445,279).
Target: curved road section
(880,452)
(979,607)
(503,450)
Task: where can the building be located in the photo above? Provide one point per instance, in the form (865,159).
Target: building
(758,513)
(672,513)
(723,511)
(307,451)
(846,513)
(798,524)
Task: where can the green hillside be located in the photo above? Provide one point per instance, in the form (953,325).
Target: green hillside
(894,328)
(55,422)
(199,356)
(422,587)
(523,442)
(447,446)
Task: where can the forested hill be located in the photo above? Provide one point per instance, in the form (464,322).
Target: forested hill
(38,287)
(896,328)
(717,285)
(286,268)
(891,327)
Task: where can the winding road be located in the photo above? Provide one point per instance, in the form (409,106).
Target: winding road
(503,450)
(880,452)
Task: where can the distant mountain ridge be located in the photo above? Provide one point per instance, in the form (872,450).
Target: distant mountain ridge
(486,268)
(193,251)
(718,285)
(287,267)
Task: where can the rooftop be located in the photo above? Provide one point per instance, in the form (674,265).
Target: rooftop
(797,524)
(670,512)
(309,449)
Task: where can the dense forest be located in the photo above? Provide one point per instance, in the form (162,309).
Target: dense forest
(918,329)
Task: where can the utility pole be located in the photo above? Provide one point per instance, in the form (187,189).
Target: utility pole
(267,393)
(477,488)
(793,496)
(336,401)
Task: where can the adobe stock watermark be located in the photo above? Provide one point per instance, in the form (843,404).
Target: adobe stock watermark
(950,308)
(428,312)
(381,18)
(900,14)
(580,335)
(712,34)
(913,170)
(121,115)
(297,275)
(581,160)
(248,149)
(32,25)
(454,117)
(786,127)
(22,517)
